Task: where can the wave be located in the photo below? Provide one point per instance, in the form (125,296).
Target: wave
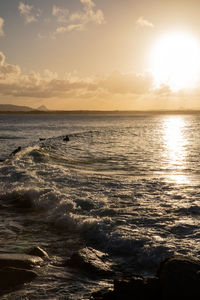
(11,137)
(67,186)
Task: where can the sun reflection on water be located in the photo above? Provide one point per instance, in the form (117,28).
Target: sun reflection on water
(175,147)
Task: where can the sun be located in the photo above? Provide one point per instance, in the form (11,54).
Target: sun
(175,60)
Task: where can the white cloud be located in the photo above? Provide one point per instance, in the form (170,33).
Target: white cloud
(116,91)
(7,71)
(142,22)
(2,59)
(60,13)
(48,85)
(89,4)
(26,11)
(78,19)
(1,27)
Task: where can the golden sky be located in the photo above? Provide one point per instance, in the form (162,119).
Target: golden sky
(100,54)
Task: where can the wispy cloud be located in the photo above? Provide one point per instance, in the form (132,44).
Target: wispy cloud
(60,13)
(78,19)
(1,27)
(142,22)
(27,11)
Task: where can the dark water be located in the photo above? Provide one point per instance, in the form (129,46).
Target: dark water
(128,186)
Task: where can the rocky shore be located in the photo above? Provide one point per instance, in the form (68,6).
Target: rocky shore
(17,269)
(178,277)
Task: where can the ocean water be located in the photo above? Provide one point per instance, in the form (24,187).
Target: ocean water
(126,185)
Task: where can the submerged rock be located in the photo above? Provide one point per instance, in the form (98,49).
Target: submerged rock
(91,260)
(23,261)
(137,286)
(180,278)
(132,287)
(11,277)
(66,138)
(37,251)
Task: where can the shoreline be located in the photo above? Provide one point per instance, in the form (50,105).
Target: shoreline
(103,113)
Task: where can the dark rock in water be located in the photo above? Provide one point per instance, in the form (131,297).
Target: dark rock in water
(66,138)
(103,295)
(91,260)
(11,277)
(180,278)
(132,287)
(23,261)
(137,287)
(42,139)
(37,251)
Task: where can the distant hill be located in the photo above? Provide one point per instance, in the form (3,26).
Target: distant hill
(10,107)
(42,108)
(13,108)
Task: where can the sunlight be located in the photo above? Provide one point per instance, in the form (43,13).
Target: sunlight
(175,143)
(175,60)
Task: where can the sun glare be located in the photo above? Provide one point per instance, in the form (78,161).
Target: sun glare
(175,60)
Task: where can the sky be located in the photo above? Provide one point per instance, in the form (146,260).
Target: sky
(100,54)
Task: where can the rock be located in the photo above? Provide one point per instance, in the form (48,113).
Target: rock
(137,287)
(180,278)
(128,285)
(91,260)
(132,287)
(23,261)
(103,294)
(11,277)
(37,251)
(66,138)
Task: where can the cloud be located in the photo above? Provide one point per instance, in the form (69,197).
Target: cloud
(77,20)
(2,59)
(71,27)
(130,83)
(163,90)
(1,27)
(60,13)
(47,85)
(114,91)
(26,11)
(7,71)
(142,22)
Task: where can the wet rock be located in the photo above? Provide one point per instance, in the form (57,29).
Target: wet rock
(180,278)
(23,261)
(66,138)
(37,251)
(11,277)
(103,294)
(132,287)
(137,287)
(91,260)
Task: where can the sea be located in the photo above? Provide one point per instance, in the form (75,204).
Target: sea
(126,185)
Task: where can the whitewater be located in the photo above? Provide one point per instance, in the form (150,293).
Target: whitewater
(128,186)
